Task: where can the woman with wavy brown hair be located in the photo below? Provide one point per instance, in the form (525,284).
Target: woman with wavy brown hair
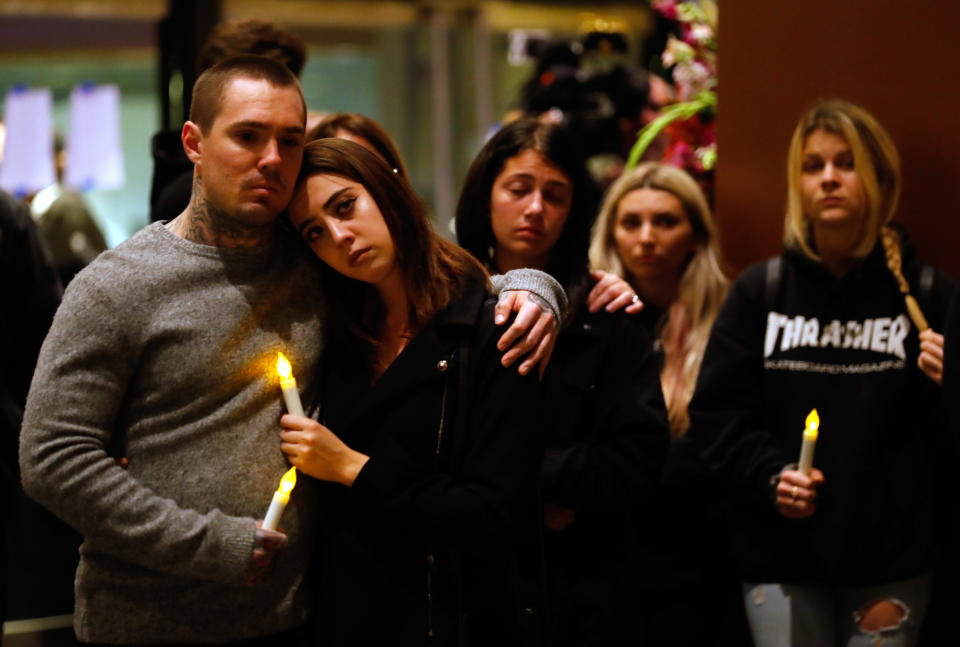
(429,461)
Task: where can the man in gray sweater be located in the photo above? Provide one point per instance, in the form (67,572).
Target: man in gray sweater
(164,352)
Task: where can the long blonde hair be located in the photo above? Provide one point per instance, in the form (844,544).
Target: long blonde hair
(877,165)
(702,287)
(875,161)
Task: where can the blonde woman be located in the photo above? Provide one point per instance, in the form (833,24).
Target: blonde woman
(841,555)
(655,230)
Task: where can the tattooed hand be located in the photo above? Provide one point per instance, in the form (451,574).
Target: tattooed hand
(532,334)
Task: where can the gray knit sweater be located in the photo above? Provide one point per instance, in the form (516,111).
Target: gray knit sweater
(170,347)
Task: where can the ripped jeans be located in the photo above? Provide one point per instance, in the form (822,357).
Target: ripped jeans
(791,615)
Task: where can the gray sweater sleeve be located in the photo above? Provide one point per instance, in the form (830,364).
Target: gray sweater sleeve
(74,408)
(540,283)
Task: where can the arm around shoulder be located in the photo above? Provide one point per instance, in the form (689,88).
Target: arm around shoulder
(536,282)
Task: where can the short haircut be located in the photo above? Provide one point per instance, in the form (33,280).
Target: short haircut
(568,257)
(875,161)
(252,36)
(361,126)
(209,88)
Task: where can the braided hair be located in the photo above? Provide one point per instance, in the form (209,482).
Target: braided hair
(891,245)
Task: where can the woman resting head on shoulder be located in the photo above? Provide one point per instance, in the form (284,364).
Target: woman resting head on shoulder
(437,484)
(531,314)
(386,271)
(655,229)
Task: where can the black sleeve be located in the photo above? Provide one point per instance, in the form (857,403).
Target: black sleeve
(495,462)
(37,547)
(946,320)
(30,295)
(622,441)
(727,418)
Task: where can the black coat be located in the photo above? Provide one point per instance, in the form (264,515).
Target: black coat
(424,541)
(606,441)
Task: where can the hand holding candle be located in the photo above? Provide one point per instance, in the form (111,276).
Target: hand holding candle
(266,544)
(796,489)
(809,443)
(288,384)
(280,499)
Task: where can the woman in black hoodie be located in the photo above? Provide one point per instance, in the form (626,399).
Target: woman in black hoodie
(842,554)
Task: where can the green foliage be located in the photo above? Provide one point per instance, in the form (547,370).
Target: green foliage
(706,100)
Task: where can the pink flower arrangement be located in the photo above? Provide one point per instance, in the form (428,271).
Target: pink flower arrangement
(666,8)
(688,124)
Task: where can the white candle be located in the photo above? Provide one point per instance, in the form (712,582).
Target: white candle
(280,499)
(809,443)
(288,384)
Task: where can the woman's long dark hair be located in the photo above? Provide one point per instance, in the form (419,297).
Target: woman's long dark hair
(432,267)
(568,258)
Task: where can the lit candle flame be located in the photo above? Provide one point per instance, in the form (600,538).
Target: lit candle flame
(283,366)
(288,481)
(813,424)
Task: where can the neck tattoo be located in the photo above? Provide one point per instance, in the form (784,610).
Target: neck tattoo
(203,223)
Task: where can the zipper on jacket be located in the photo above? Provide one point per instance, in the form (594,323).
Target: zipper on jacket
(430,566)
(431,561)
(443,415)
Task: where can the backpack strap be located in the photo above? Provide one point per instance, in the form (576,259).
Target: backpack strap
(925,284)
(773,272)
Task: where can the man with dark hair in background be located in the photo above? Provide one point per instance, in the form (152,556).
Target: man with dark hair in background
(252,36)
